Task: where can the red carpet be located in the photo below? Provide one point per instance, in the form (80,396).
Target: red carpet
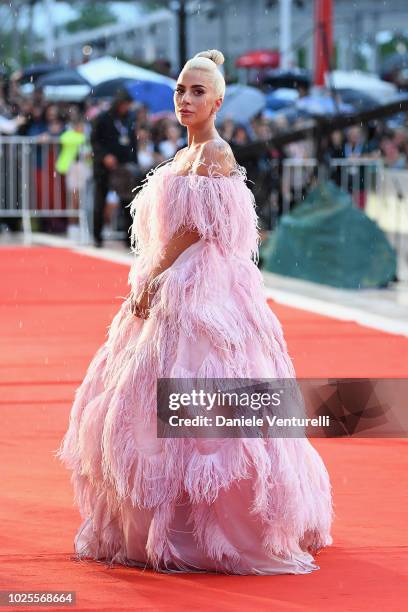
(55,309)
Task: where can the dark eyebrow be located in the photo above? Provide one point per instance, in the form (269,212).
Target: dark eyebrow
(197,85)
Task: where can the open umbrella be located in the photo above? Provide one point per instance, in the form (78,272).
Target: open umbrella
(64,85)
(108,89)
(107,68)
(241,103)
(35,71)
(68,76)
(157,97)
(360,100)
(281,98)
(260,58)
(292,78)
(362,81)
(322,105)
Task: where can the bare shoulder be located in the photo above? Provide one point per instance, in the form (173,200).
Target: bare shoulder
(179,152)
(215,157)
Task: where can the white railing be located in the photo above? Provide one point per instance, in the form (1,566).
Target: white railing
(358,176)
(30,186)
(381,192)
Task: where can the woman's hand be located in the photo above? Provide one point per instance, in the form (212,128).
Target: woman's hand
(140,306)
(182,239)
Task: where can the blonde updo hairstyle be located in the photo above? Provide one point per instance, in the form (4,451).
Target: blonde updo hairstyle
(208,61)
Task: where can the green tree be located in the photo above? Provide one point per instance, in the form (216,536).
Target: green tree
(393,46)
(91,15)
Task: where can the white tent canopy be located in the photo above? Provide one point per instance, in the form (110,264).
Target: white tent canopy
(363,81)
(106,68)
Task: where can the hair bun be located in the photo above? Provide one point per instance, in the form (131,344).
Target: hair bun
(212,54)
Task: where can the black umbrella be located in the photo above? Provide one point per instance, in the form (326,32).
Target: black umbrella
(35,71)
(360,100)
(108,89)
(67,76)
(285,78)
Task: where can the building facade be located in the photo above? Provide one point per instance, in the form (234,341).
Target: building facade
(236,26)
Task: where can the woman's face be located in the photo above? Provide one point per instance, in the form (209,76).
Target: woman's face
(265,131)
(173,132)
(142,135)
(354,134)
(337,138)
(240,136)
(51,113)
(194,97)
(37,113)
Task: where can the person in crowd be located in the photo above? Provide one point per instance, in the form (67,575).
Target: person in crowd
(227,129)
(147,157)
(297,180)
(114,143)
(35,123)
(142,116)
(10,126)
(335,150)
(172,143)
(53,119)
(258,170)
(356,146)
(240,135)
(392,147)
(73,163)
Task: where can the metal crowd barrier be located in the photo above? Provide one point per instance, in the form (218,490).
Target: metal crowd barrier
(358,176)
(381,192)
(31,188)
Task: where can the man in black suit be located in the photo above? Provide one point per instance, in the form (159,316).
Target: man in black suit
(113,140)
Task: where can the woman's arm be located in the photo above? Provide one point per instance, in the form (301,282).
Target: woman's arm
(181,240)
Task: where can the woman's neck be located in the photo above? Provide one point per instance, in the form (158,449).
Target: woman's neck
(197,137)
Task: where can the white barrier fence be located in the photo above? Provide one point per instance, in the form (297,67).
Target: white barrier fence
(31,188)
(360,177)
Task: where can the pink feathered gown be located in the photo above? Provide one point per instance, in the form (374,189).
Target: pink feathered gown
(236,506)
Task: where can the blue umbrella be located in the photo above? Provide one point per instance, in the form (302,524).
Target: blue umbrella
(281,98)
(157,97)
(322,105)
(241,103)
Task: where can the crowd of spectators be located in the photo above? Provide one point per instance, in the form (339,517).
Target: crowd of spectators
(158,137)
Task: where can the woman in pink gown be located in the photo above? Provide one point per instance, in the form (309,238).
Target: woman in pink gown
(196,309)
